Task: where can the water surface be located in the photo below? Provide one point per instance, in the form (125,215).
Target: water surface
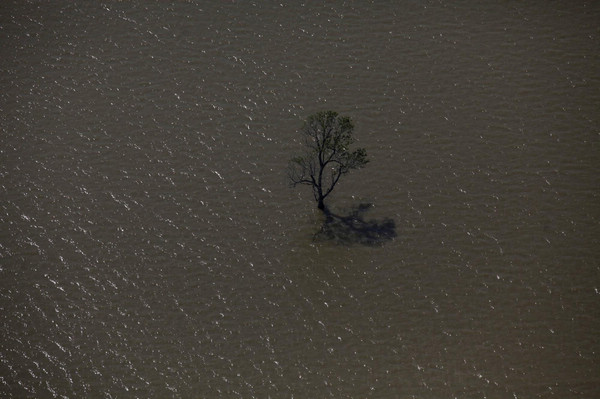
(150,245)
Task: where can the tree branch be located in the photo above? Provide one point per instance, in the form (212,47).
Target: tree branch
(327,138)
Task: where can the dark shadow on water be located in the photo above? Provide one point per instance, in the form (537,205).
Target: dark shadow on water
(352,228)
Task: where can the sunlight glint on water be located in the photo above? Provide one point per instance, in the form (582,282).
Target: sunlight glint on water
(150,246)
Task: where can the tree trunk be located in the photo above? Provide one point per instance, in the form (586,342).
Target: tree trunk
(321,205)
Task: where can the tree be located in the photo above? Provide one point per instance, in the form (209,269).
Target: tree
(326,157)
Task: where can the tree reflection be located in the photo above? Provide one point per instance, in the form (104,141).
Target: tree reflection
(354,229)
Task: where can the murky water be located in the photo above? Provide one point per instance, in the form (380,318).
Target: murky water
(150,245)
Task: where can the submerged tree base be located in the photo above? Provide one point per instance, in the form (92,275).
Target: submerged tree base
(354,229)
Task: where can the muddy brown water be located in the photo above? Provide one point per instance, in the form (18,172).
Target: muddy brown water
(150,245)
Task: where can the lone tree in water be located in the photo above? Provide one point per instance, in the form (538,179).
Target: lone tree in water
(326,157)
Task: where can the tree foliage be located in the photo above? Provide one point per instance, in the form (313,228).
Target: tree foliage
(327,155)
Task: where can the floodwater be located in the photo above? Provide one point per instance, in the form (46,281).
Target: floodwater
(150,245)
